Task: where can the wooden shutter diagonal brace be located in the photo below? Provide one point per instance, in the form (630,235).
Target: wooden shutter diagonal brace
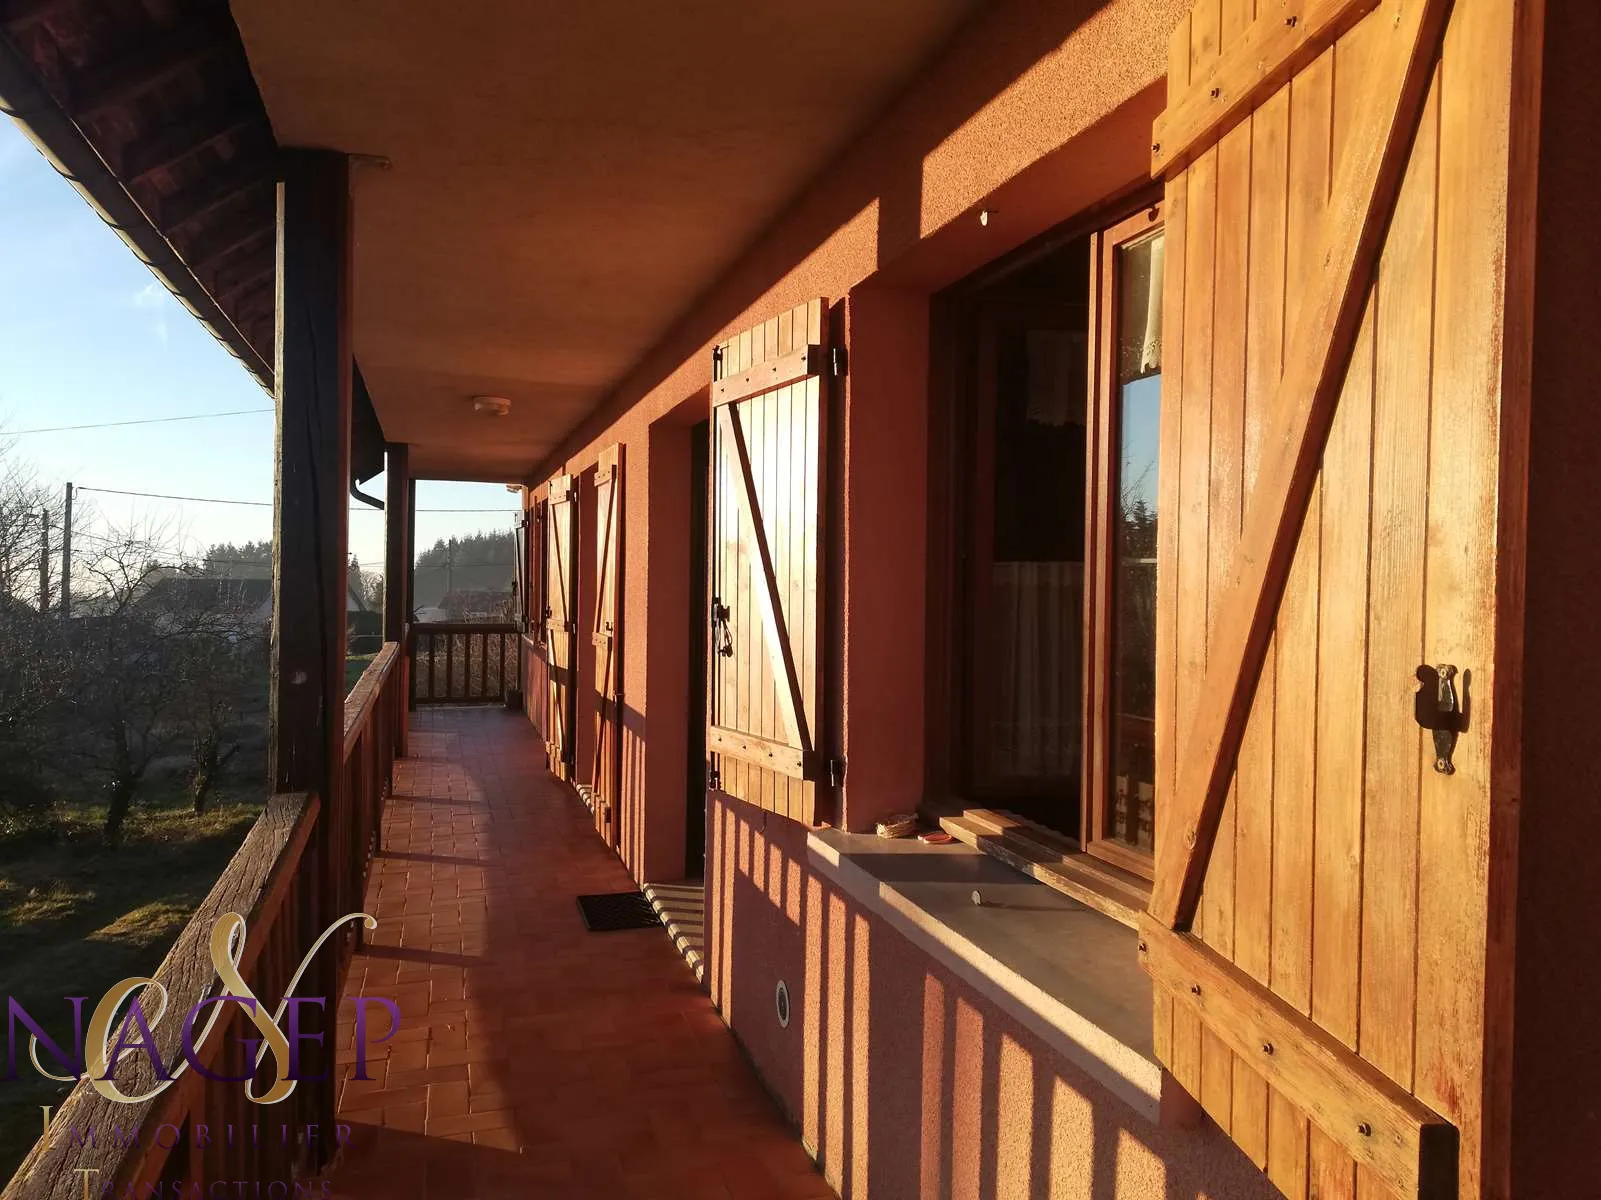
(792,704)
(606,589)
(1367,185)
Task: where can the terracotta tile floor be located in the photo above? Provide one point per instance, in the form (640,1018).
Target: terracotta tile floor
(534,1058)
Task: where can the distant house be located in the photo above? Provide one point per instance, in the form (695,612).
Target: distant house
(477,604)
(179,601)
(244,603)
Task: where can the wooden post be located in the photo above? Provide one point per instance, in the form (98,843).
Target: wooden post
(411,593)
(397,563)
(44,561)
(312,376)
(66,558)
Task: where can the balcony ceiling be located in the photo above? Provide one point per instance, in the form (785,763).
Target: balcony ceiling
(566,178)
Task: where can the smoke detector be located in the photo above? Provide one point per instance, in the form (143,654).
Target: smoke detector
(491,406)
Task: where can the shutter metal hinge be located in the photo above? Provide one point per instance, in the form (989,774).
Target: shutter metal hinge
(714,780)
(836,772)
(839,361)
(717,362)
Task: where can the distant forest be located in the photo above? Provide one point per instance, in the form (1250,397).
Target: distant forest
(479,562)
(484,562)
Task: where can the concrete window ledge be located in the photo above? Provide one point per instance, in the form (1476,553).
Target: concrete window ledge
(1060,969)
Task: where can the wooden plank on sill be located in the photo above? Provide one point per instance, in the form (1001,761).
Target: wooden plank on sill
(1022,830)
(1084,882)
(1376,1121)
(1282,39)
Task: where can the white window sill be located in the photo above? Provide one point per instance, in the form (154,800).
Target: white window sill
(1065,972)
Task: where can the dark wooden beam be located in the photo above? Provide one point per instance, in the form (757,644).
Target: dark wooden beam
(310,543)
(160,57)
(18,15)
(411,582)
(192,204)
(231,241)
(166,148)
(242,279)
(246,301)
(397,539)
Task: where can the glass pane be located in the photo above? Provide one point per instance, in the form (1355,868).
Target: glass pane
(1033,706)
(1139,387)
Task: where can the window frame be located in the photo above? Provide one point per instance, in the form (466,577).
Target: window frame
(1101,476)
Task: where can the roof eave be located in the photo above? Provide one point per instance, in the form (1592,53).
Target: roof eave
(61,141)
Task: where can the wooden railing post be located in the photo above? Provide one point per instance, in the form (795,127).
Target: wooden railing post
(313,379)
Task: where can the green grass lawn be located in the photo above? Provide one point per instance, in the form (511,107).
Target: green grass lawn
(76,917)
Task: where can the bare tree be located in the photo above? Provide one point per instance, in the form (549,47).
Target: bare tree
(157,662)
(33,657)
(215,664)
(22,501)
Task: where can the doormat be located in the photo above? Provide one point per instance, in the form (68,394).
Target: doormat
(617,910)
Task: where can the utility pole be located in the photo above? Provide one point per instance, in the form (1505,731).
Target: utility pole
(450,568)
(44,560)
(66,559)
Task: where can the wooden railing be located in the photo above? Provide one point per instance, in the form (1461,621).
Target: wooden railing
(374,711)
(463,664)
(277,883)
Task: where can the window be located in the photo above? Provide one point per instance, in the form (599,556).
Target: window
(1120,824)
(1053,470)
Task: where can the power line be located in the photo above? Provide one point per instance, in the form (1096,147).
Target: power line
(186,499)
(238,412)
(510,512)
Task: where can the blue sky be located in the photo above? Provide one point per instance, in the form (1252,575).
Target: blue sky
(88,334)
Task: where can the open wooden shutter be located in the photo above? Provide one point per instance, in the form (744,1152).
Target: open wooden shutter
(538,571)
(524,600)
(536,667)
(607,637)
(561,623)
(766,662)
(1317,932)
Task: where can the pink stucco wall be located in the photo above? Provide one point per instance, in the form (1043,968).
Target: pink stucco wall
(1037,111)
(904,1081)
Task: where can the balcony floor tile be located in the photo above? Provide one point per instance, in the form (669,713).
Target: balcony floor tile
(534,1058)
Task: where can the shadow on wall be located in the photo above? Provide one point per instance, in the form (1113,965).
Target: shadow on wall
(902,1080)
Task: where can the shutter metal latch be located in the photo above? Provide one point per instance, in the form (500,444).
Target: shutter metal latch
(839,361)
(836,772)
(722,636)
(714,780)
(1438,708)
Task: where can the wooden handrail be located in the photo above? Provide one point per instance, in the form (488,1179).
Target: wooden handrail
(424,627)
(363,699)
(264,881)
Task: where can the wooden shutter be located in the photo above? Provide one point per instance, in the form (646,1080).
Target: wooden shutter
(1318,923)
(607,637)
(525,601)
(536,676)
(561,623)
(766,663)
